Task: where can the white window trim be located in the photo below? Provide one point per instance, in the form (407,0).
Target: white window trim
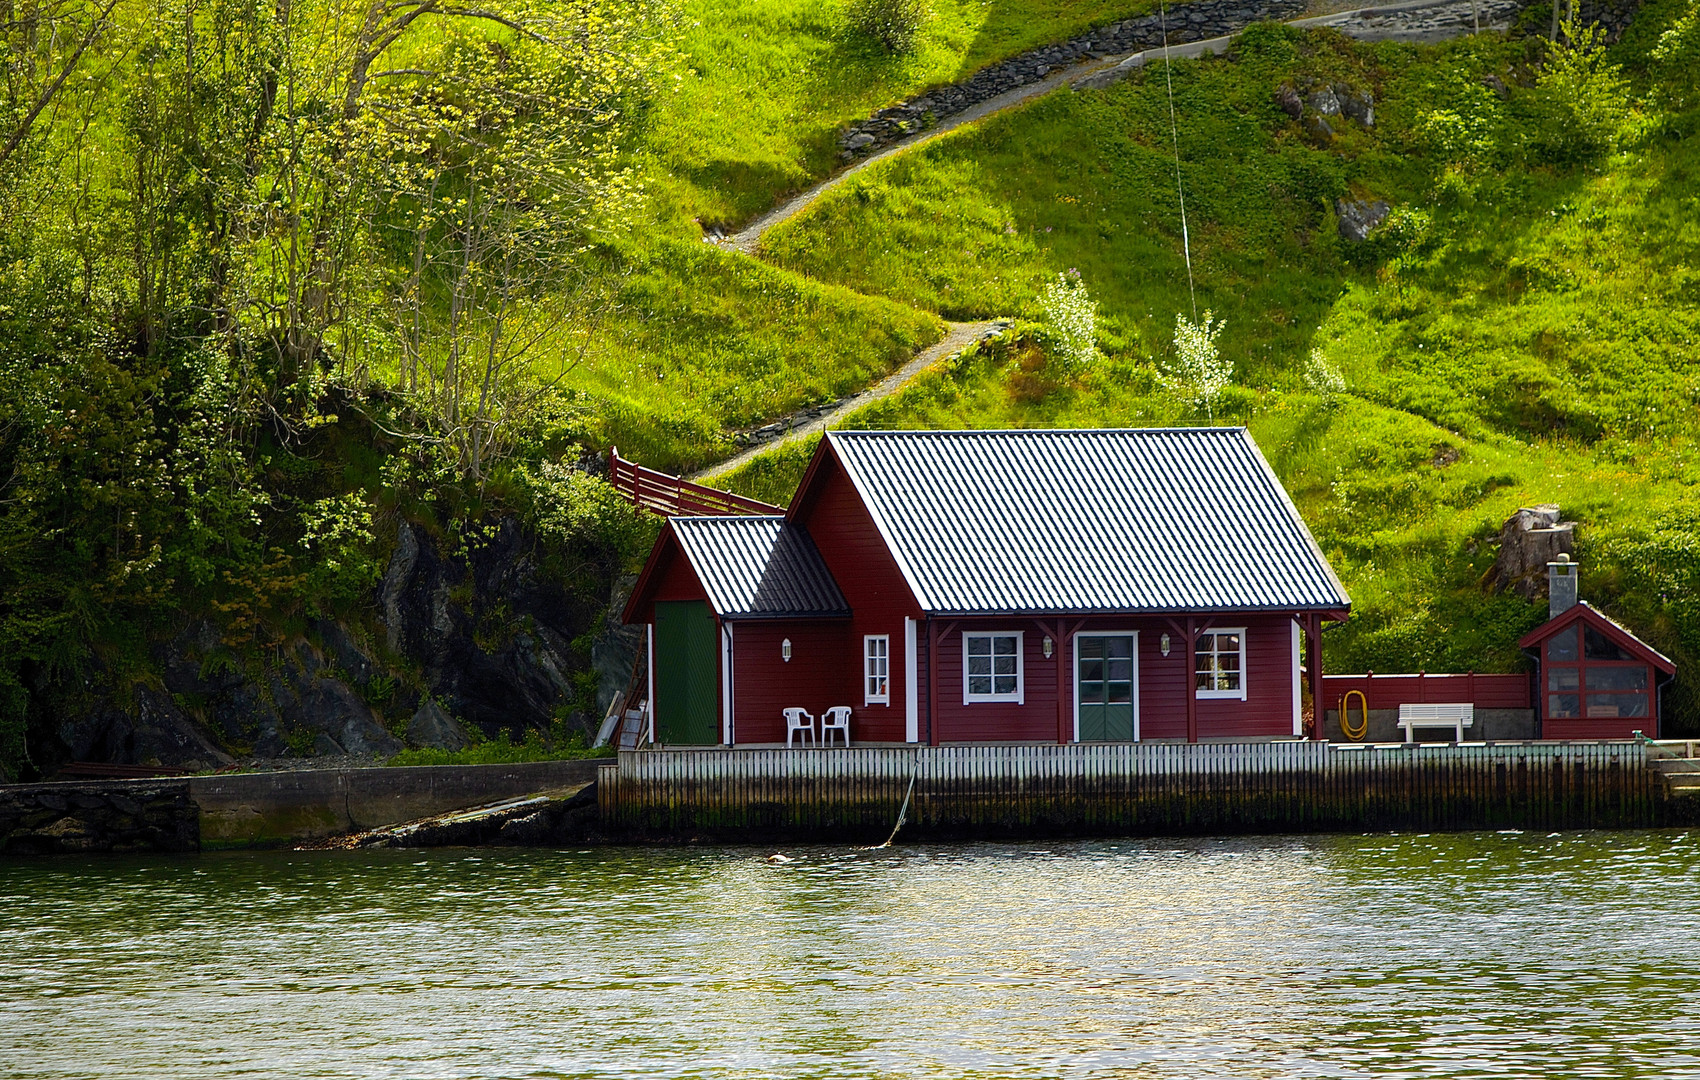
(1020,695)
(1220,695)
(868,697)
(1074,674)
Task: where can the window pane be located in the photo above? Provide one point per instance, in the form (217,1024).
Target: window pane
(1121,693)
(1228,680)
(1564,706)
(1227,643)
(1121,670)
(1228,661)
(1562,645)
(1564,678)
(1005,684)
(1003,646)
(979,665)
(1120,646)
(979,684)
(1003,665)
(1206,681)
(1596,646)
(1617,705)
(1091,647)
(1091,693)
(1617,678)
(979,646)
(1091,669)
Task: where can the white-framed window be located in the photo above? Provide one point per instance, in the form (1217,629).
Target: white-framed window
(991,667)
(876,669)
(1219,663)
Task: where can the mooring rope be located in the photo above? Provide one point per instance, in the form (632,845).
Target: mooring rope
(1175,138)
(902,811)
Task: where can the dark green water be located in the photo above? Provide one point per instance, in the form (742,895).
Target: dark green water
(1503,955)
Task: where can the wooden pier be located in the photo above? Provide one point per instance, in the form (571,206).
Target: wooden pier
(1133,789)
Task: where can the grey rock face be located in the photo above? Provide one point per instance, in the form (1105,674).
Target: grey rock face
(1289,101)
(1357,105)
(147,727)
(432,728)
(1324,102)
(1358,218)
(1530,538)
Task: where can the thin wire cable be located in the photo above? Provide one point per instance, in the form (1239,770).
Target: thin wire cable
(1175,137)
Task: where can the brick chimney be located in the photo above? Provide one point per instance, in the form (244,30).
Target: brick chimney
(1561,586)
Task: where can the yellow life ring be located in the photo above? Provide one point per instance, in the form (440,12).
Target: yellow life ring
(1356,734)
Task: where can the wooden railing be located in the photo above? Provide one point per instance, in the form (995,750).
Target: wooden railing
(1130,788)
(669,496)
(1392,691)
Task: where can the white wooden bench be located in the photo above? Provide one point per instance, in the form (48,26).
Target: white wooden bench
(1455,716)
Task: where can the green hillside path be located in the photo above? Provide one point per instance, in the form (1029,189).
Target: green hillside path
(1424,21)
(1414,21)
(958,337)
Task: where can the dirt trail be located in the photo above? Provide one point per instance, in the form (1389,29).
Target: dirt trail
(959,337)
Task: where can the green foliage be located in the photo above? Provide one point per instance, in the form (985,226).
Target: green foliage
(1580,108)
(502,750)
(1676,62)
(895,24)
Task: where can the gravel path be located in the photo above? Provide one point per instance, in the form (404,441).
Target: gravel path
(958,338)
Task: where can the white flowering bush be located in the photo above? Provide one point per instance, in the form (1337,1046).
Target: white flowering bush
(1321,379)
(895,24)
(1071,321)
(1198,372)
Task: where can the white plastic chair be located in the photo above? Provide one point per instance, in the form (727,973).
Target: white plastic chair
(799,721)
(834,719)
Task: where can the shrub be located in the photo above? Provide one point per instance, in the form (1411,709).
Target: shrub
(1321,379)
(1676,62)
(1071,321)
(895,24)
(1198,372)
(1581,103)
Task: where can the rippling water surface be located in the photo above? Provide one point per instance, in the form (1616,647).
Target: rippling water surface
(1505,955)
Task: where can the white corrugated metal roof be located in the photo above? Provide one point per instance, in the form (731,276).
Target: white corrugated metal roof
(758,567)
(1175,519)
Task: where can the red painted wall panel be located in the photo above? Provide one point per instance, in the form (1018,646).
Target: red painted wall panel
(1163,684)
(763,684)
(1623,727)
(855,553)
(1392,691)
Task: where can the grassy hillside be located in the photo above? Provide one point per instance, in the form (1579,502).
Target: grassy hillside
(1527,335)
(767,84)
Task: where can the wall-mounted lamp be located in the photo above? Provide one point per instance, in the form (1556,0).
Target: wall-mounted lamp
(1048,646)
(1163,644)
(785,650)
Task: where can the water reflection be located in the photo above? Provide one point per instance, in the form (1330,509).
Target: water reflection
(1511,955)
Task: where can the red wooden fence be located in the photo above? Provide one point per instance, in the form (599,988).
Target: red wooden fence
(1392,691)
(669,496)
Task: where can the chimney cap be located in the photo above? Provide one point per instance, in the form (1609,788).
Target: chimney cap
(1562,557)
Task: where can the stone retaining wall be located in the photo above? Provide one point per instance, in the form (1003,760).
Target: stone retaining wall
(96,815)
(246,810)
(1492,725)
(1188,22)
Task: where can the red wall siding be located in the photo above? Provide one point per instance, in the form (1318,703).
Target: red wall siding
(851,546)
(1618,727)
(676,580)
(1392,691)
(763,684)
(1163,684)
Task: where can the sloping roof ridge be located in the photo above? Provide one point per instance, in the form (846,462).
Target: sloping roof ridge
(1297,518)
(1582,609)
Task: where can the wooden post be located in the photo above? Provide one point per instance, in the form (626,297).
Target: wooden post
(932,680)
(1313,644)
(1189,673)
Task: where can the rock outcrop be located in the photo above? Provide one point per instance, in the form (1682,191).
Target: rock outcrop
(1531,538)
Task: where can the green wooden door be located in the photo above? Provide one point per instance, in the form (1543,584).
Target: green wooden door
(687,685)
(1103,686)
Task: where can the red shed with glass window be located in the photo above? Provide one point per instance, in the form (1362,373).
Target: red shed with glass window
(996,586)
(1595,679)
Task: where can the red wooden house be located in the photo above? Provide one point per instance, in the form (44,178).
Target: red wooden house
(999,586)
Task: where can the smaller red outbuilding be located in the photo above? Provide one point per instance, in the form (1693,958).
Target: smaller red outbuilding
(1595,679)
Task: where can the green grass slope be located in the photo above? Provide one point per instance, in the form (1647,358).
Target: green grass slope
(1528,335)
